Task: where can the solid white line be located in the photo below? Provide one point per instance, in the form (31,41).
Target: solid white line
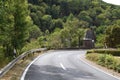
(62,66)
(98,68)
(24,73)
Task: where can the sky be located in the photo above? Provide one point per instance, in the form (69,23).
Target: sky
(115,2)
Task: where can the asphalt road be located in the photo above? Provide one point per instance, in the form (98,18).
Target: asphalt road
(63,65)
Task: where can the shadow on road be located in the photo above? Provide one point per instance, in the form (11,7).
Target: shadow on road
(49,72)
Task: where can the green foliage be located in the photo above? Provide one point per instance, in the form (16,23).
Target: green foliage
(110,61)
(20,34)
(56,23)
(3,59)
(34,44)
(105,60)
(34,32)
(54,40)
(93,13)
(46,22)
(6,26)
(51,14)
(102,59)
(14,22)
(93,56)
(112,38)
(100,41)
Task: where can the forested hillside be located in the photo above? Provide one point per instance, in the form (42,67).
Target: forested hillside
(64,14)
(32,24)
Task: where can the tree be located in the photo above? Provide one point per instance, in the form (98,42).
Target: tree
(34,32)
(55,39)
(46,22)
(112,38)
(54,11)
(85,16)
(6,26)
(56,23)
(21,19)
(80,34)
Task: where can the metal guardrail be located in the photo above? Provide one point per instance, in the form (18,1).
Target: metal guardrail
(4,70)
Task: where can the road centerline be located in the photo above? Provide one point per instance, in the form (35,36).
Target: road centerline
(63,66)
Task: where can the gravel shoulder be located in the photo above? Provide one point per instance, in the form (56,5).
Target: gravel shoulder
(112,72)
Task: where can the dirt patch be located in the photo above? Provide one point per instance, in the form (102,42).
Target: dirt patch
(16,72)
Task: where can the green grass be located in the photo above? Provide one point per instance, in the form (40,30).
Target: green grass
(105,60)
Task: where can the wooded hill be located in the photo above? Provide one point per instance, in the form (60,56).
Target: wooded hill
(32,24)
(91,13)
(51,14)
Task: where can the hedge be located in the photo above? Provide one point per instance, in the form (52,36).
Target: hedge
(112,52)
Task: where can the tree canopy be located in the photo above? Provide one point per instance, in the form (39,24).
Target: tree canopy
(51,22)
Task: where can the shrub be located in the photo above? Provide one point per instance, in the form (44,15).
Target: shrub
(101,60)
(117,65)
(93,56)
(32,45)
(89,51)
(109,61)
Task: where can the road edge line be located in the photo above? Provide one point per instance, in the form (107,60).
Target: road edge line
(27,68)
(81,58)
(25,71)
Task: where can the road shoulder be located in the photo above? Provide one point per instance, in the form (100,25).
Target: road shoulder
(106,70)
(18,69)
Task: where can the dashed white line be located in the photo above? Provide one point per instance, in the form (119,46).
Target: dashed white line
(62,66)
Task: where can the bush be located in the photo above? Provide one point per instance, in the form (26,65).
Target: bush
(34,44)
(92,57)
(90,51)
(101,60)
(110,61)
(117,65)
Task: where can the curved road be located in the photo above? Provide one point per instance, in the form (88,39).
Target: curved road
(63,65)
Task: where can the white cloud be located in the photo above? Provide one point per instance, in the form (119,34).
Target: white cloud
(116,2)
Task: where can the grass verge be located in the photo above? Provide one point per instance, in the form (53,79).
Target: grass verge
(105,60)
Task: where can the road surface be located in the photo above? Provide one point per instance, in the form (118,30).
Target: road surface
(63,65)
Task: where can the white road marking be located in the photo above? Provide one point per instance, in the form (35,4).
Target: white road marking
(23,76)
(62,66)
(24,73)
(0,72)
(59,56)
(80,57)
